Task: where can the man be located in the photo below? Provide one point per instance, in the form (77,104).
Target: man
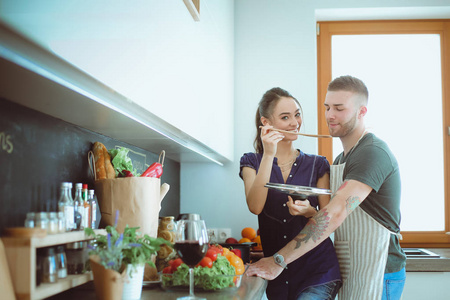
(364,210)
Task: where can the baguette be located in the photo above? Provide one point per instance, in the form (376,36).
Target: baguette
(103,166)
(99,159)
(110,172)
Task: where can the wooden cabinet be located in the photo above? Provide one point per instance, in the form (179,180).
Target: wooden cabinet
(22,257)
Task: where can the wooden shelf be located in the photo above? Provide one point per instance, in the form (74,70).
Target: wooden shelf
(45,290)
(21,255)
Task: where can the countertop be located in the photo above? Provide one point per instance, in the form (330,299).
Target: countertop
(441,264)
(251,288)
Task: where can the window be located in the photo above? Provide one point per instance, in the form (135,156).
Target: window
(402,63)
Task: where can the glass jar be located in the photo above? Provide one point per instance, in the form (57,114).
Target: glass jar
(166,230)
(61,262)
(61,222)
(29,221)
(49,268)
(52,223)
(76,257)
(41,220)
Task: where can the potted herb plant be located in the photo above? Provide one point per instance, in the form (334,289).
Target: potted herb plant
(120,258)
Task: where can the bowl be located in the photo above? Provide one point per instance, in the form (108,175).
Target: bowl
(208,283)
(244,247)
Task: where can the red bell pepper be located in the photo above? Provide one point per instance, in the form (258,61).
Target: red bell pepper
(155,170)
(237,252)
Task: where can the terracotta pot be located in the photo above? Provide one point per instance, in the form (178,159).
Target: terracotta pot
(108,283)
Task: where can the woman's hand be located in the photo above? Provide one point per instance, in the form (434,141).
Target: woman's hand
(300,208)
(270,139)
(265,268)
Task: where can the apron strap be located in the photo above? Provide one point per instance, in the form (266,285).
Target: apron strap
(399,235)
(312,171)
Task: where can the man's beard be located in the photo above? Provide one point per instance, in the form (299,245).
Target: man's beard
(345,129)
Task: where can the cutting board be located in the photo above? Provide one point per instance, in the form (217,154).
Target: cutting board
(6,285)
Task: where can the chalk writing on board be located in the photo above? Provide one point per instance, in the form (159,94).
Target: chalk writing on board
(5,141)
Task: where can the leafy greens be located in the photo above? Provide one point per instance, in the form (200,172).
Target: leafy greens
(220,276)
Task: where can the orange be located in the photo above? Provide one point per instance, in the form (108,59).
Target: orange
(258,246)
(245,240)
(249,233)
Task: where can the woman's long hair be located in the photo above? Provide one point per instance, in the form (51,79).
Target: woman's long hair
(265,109)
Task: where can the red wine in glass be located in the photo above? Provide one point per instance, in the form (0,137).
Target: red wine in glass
(191,245)
(191,252)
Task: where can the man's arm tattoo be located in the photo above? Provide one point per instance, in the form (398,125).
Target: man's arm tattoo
(351,203)
(314,229)
(340,188)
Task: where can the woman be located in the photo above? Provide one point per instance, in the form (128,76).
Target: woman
(315,275)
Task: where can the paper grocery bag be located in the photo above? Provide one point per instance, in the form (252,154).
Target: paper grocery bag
(137,199)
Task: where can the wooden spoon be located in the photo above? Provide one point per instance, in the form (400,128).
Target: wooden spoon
(298,133)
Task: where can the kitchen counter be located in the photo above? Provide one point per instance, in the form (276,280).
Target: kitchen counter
(251,288)
(441,264)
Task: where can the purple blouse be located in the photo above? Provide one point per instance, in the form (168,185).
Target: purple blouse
(278,227)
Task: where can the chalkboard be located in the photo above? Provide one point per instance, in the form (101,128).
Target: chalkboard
(38,152)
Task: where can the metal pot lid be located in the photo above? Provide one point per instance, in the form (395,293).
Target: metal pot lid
(189,217)
(297,190)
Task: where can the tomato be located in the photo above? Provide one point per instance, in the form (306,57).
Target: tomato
(217,248)
(175,263)
(167,270)
(211,253)
(206,262)
(237,252)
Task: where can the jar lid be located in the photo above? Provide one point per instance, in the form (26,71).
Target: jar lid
(76,245)
(50,251)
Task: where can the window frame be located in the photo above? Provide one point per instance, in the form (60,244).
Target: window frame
(326,30)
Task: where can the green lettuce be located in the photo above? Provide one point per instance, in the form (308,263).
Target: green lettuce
(121,161)
(204,277)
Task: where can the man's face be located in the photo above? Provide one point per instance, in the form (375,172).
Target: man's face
(341,112)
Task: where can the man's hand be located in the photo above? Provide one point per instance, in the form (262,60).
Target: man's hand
(265,268)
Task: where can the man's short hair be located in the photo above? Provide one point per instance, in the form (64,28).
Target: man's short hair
(350,84)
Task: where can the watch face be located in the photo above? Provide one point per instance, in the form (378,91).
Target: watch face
(278,259)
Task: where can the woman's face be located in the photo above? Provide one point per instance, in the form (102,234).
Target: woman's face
(286,115)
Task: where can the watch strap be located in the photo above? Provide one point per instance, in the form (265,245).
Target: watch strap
(279,260)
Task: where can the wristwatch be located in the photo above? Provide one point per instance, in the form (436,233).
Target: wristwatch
(279,260)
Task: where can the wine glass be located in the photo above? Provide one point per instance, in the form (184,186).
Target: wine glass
(191,245)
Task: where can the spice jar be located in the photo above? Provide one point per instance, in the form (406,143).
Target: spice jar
(76,257)
(41,220)
(49,269)
(61,222)
(61,262)
(52,223)
(29,221)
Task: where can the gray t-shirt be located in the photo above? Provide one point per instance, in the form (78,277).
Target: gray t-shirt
(372,162)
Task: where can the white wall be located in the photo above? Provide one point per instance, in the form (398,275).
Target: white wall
(275,45)
(150,51)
